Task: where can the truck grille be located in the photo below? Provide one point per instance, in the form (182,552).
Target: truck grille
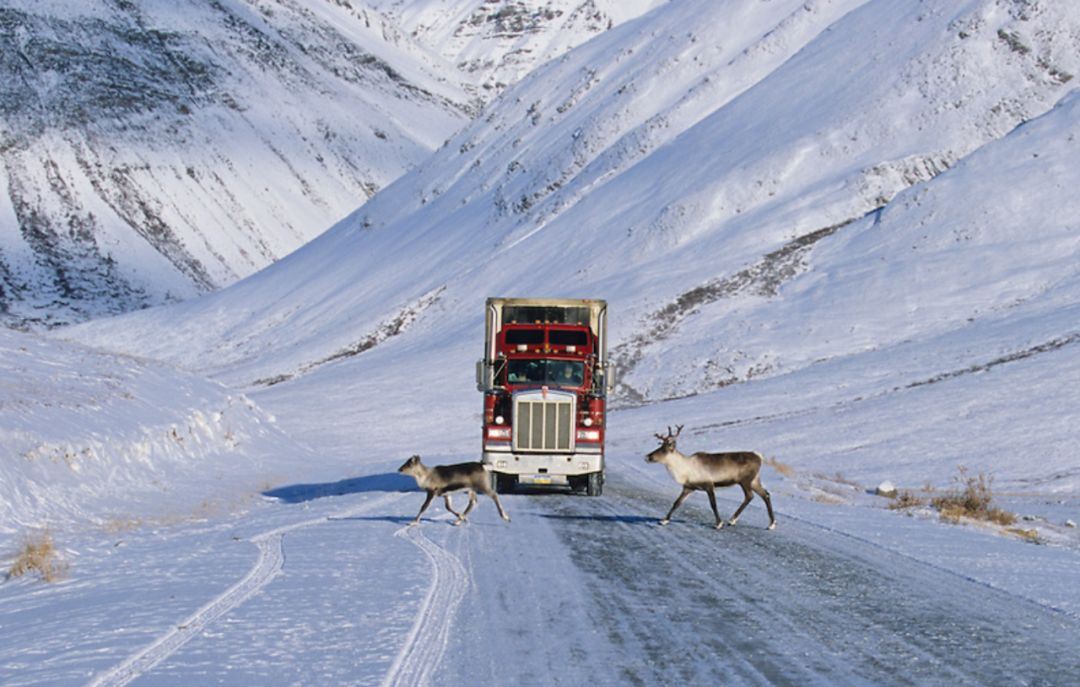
(544,424)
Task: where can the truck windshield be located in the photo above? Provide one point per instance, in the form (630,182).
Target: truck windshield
(554,372)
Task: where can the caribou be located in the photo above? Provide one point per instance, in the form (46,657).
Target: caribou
(706,471)
(440,480)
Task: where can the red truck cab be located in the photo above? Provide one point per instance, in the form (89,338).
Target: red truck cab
(545,379)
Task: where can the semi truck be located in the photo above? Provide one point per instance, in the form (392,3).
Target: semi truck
(545,379)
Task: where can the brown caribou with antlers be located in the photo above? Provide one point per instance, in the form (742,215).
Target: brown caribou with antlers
(706,471)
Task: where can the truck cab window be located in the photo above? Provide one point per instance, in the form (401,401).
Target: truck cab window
(554,372)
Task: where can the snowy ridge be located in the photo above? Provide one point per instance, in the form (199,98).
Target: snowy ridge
(791,226)
(497,43)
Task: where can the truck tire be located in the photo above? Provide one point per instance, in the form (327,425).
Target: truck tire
(595,484)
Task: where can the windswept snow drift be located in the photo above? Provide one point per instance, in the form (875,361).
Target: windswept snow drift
(89,436)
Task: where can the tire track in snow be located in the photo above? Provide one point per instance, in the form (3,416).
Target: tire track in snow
(430,633)
(270,562)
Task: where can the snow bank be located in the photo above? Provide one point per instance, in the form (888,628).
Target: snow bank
(88,436)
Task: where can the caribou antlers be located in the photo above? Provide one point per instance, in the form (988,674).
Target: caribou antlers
(678,430)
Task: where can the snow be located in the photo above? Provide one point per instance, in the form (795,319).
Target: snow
(842,234)
(154,151)
(496,44)
(82,426)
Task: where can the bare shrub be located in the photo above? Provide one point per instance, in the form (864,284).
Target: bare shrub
(970,497)
(38,553)
(1030,535)
(783,468)
(906,499)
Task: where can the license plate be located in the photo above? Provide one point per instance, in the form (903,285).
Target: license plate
(541,479)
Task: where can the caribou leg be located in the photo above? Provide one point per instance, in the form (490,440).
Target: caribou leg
(446,500)
(749,496)
(678,502)
(711,491)
(427,502)
(764,494)
(468,507)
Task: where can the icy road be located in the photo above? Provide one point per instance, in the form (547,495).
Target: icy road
(326,584)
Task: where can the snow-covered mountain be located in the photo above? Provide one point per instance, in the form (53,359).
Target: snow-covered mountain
(155,151)
(654,165)
(496,43)
(151,151)
(841,233)
(752,206)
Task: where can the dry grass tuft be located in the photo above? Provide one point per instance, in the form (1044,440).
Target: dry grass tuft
(906,499)
(971,498)
(38,553)
(1027,535)
(783,468)
(121,524)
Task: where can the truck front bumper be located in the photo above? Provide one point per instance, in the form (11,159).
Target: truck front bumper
(544,468)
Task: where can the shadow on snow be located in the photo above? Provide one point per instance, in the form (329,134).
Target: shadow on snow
(626,519)
(299,493)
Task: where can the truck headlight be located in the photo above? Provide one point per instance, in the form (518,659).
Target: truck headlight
(500,420)
(587,422)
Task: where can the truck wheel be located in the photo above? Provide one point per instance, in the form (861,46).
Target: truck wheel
(595,485)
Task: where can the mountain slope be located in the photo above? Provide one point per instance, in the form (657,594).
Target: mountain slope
(497,43)
(153,151)
(829,182)
(665,161)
